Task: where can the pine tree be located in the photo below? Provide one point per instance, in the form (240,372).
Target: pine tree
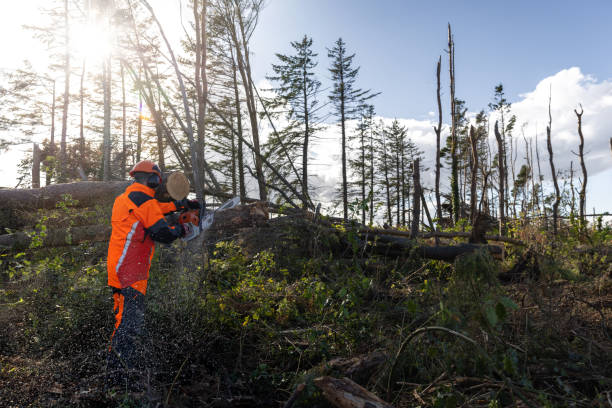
(346,100)
(298,91)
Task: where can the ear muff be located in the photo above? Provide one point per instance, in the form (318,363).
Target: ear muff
(154,180)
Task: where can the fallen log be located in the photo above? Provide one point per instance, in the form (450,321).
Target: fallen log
(389,245)
(441,234)
(450,252)
(87,193)
(359,368)
(56,237)
(345,393)
(14,219)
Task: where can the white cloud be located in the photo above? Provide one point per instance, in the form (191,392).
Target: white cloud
(570,87)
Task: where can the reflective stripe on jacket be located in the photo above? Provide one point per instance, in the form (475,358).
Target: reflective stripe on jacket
(137,221)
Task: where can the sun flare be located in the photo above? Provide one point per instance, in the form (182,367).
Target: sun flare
(93,42)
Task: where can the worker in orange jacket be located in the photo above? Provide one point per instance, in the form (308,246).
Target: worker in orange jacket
(137,223)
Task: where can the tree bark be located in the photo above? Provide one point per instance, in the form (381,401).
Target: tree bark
(201,82)
(87,193)
(553,171)
(584,171)
(82,120)
(345,393)
(343,129)
(50,165)
(416,202)
(306,141)
(35,166)
(501,171)
(62,155)
(139,122)
(123,127)
(387,181)
(106,143)
(474,174)
(241,172)
(438,131)
(57,237)
(540,178)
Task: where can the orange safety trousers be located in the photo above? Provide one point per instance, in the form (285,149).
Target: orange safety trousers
(125,351)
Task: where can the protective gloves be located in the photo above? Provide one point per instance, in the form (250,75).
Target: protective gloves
(185,204)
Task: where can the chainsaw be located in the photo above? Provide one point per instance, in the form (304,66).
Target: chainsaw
(195,221)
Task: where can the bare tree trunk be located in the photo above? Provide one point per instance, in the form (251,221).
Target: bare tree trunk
(584,171)
(50,165)
(371,175)
(426,209)
(387,181)
(513,154)
(139,123)
(398,190)
(454,170)
(159,132)
(62,155)
(573,200)
(540,178)
(245,73)
(234,165)
(123,127)
(438,131)
(106,143)
(416,202)
(241,182)
(307,141)
(35,166)
(553,171)
(363,178)
(82,119)
(474,174)
(529,155)
(343,129)
(201,79)
(501,170)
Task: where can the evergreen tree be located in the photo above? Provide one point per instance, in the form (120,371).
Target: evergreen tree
(297,92)
(346,100)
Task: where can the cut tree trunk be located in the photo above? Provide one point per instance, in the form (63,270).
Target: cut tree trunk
(57,237)
(87,193)
(345,393)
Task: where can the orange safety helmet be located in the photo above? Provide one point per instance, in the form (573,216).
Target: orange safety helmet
(146,166)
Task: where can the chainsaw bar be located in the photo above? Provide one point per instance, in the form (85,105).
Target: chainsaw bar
(207,221)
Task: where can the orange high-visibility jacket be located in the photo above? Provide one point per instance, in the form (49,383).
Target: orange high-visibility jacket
(137,221)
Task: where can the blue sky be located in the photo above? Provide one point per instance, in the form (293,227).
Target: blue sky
(526,45)
(529,46)
(398,42)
